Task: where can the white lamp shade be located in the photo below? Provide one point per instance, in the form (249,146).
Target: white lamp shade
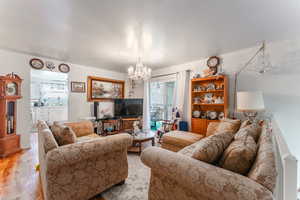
(250,101)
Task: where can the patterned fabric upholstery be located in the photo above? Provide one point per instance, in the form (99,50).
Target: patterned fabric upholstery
(252,130)
(178,177)
(211,148)
(81,128)
(229,125)
(87,138)
(49,141)
(245,123)
(82,170)
(212,128)
(239,156)
(63,134)
(177,140)
(189,150)
(264,169)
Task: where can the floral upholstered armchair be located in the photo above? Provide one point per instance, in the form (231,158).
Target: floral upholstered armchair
(83,169)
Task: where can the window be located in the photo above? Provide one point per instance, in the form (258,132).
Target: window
(161,101)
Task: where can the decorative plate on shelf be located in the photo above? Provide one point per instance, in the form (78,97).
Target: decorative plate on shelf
(36,63)
(196,114)
(212,115)
(210,87)
(64,68)
(221,116)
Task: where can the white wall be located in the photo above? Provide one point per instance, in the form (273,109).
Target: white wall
(78,106)
(138,89)
(280,85)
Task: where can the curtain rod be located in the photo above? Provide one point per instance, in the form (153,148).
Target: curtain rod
(167,74)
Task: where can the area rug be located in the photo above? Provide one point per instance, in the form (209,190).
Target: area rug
(136,185)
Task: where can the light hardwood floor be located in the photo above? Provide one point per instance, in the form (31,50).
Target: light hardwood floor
(18,178)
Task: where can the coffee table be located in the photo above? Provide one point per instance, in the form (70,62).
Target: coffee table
(141,138)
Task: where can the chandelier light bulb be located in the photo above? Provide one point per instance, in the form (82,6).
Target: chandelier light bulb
(140,72)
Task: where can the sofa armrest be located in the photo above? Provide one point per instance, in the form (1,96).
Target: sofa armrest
(201,179)
(77,152)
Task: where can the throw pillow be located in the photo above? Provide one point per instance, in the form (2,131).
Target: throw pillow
(239,156)
(211,148)
(264,170)
(252,130)
(63,134)
(245,123)
(212,128)
(229,125)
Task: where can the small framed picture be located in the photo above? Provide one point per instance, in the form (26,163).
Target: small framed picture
(78,87)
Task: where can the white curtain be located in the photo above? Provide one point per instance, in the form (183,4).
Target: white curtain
(146,106)
(182,95)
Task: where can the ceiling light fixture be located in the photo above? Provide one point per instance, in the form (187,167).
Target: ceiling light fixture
(140,72)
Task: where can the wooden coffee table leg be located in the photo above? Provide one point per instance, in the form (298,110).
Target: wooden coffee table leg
(153,142)
(140,146)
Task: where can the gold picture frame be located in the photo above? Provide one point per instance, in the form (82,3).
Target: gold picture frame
(103,89)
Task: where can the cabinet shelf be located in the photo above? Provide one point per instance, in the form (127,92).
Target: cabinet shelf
(211,91)
(199,125)
(211,78)
(208,104)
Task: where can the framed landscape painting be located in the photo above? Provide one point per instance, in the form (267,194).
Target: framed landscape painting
(101,89)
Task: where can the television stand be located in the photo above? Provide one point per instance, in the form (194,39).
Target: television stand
(114,126)
(127,123)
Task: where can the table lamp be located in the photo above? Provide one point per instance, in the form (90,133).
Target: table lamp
(250,103)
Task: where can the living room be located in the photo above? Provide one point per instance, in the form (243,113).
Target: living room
(136,86)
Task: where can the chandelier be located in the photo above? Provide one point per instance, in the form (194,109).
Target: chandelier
(140,72)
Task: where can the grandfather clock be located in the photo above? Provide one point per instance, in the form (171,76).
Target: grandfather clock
(10,92)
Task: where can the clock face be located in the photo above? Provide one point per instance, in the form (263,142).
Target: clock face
(213,61)
(11,89)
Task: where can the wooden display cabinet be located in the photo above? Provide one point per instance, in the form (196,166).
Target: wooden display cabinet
(208,95)
(10,92)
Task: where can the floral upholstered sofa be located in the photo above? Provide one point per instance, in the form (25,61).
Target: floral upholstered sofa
(84,168)
(179,176)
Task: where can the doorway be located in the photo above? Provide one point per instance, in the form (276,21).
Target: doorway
(49,96)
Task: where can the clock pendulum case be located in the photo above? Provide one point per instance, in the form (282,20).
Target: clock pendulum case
(10,92)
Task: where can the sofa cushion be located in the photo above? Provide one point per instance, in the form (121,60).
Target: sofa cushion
(171,147)
(181,138)
(81,128)
(229,125)
(188,151)
(252,130)
(88,137)
(239,155)
(212,128)
(264,169)
(211,148)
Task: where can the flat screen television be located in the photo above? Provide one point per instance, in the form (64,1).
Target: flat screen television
(128,108)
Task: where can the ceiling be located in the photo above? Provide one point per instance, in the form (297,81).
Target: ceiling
(105,33)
